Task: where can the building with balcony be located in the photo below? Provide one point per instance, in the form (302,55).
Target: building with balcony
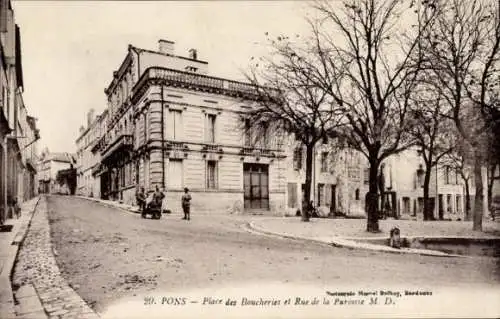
(98,170)
(87,160)
(171,125)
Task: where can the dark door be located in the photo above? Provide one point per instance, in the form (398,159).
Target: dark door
(333,205)
(105,185)
(256,186)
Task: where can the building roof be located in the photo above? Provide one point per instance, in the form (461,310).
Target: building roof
(128,59)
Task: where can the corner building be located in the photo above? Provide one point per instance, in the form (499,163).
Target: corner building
(171,125)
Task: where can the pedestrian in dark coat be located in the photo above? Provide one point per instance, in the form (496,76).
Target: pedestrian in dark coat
(186,204)
(140,197)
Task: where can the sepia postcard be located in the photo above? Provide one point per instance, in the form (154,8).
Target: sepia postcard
(250,159)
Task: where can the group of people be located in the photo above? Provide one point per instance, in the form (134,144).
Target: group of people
(157,200)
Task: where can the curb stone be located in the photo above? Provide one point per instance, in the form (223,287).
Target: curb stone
(347,243)
(38,267)
(8,268)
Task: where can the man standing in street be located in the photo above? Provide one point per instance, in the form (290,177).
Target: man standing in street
(158,198)
(140,198)
(186,204)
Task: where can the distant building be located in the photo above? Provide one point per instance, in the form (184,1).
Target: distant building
(88,161)
(66,181)
(335,180)
(49,165)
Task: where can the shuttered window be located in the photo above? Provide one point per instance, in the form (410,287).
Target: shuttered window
(174,124)
(297,158)
(210,128)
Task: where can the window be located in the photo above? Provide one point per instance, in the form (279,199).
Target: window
(175,174)
(211,174)
(324,162)
(353,173)
(366,176)
(146,125)
(420,177)
(146,174)
(210,128)
(174,124)
(297,158)
(356,194)
(292,195)
(248,134)
(447,175)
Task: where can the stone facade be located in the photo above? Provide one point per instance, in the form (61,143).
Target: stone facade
(18,132)
(88,160)
(336,182)
(50,164)
(171,126)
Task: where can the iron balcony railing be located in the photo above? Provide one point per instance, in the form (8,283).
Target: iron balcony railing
(196,80)
(175,146)
(123,140)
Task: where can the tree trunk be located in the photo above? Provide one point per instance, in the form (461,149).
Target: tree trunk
(307,191)
(478,202)
(467,201)
(372,199)
(491,180)
(428,214)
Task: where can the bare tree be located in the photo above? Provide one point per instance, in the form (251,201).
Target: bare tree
(493,155)
(368,59)
(290,102)
(462,49)
(433,134)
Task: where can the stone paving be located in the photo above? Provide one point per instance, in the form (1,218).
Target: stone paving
(37,266)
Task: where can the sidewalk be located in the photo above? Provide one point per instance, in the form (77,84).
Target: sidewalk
(9,246)
(351,232)
(40,289)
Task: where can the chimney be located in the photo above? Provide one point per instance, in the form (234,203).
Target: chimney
(82,129)
(90,117)
(166,46)
(193,54)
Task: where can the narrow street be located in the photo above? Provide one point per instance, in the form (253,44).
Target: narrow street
(106,254)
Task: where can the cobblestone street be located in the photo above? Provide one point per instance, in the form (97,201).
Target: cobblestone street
(36,266)
(107,254)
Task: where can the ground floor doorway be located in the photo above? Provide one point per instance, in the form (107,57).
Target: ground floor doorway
(256,186)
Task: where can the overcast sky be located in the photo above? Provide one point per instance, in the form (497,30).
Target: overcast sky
(71,48)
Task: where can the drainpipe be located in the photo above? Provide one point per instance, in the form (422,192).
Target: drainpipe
(162,141)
